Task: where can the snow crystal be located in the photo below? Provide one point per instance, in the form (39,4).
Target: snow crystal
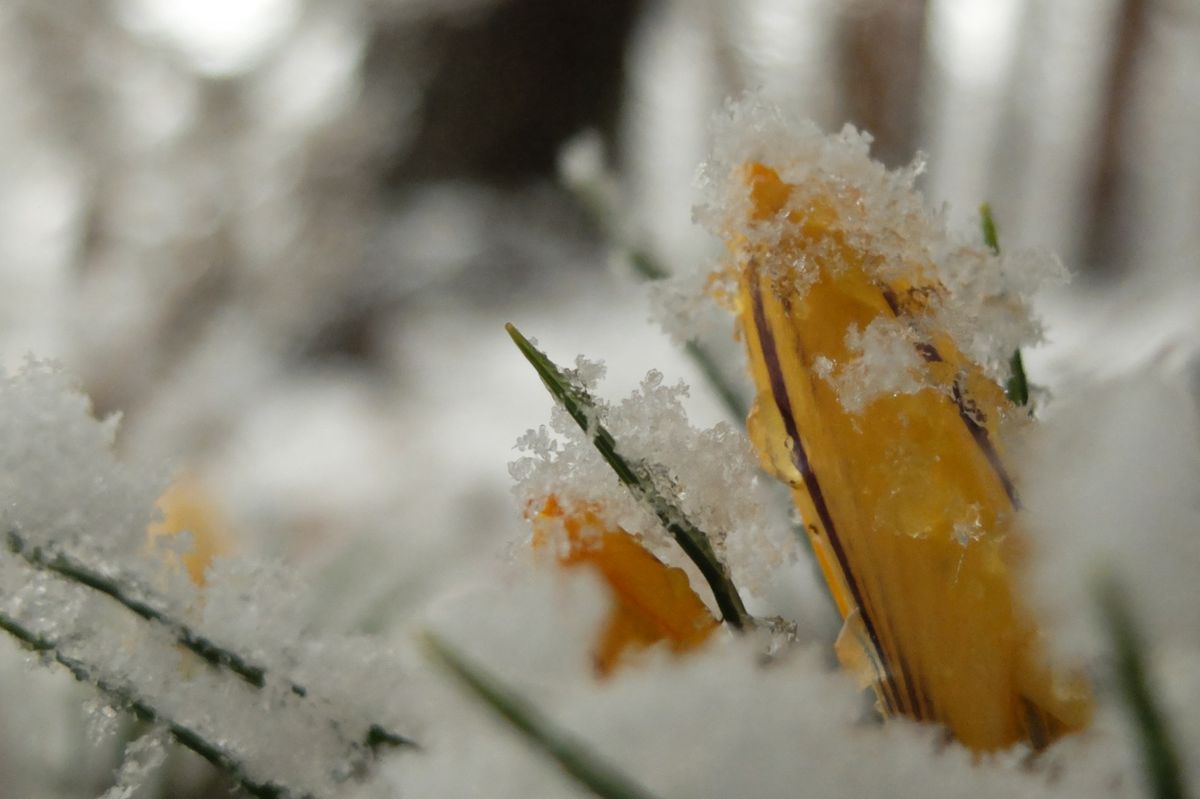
(57,460)
(981,300)
(713,474)
(886,363)
(64,494)
(143,757)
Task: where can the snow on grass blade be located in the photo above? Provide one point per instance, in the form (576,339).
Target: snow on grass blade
(126,697)
(212,653)
(694,542)
(1017,387)
(572,756)
(1159,754)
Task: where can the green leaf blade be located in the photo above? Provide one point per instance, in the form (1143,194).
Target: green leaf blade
(572,756)
(694,542)
(1017,386)
(1159,753)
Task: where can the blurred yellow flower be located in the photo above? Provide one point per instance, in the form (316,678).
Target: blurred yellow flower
(188,507)
(651,602)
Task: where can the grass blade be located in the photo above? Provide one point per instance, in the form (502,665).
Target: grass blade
(1016,387)
(212,653)
(694,542)
(124,697)
(571,755)
(988,224)
(1158,750)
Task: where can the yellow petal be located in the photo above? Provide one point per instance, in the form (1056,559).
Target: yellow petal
(652,602)
(187,507)
(908,503)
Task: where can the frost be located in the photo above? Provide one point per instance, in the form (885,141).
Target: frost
(143,757)
(58,461)
(885,363)
(75,519)
(713,473)
(716,724)
(982,300)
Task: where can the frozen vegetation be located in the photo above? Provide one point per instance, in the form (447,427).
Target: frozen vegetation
(242,668)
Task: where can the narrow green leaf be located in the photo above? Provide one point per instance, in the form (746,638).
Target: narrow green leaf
(1016,387)
(645,264)
(988,223)
(1158,749)
(694,542)
(142,709)
(134,599)
(573,756)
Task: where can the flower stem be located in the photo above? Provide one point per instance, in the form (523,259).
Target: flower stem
(637,478)
(572,756)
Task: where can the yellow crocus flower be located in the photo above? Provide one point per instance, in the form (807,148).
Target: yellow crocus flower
(909,505)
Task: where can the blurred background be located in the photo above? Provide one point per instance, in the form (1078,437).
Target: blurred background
(282,237)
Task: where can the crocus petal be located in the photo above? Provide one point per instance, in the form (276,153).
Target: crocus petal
(652,602)
(910,508)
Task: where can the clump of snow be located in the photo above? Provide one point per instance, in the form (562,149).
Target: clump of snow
(980,299)
(997,291)
(143,757)
(63,492)
(712,474)
(715,724)
(885,363)
(59,478)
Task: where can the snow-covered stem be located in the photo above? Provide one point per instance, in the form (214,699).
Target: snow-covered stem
(572,756)
(128,698)
(636,477)
(212,653)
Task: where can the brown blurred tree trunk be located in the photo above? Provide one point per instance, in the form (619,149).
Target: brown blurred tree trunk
(1105,223)
(504,86)
(882,47)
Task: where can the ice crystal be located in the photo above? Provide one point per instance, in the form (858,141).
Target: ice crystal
(79,586)
(886,363)
(982,300)
(712,473)
(142,758)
